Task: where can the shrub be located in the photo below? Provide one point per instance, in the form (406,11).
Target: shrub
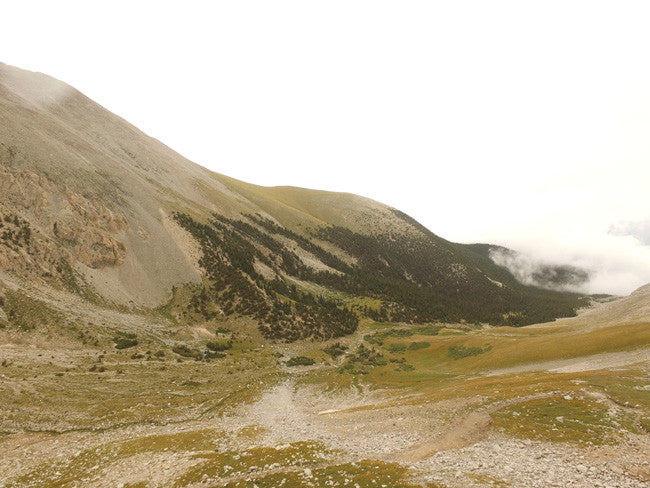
(186,352)
(335,350)
(414,346)
(124,342)
(362,359)
(213,355)
(397,347)
(300,361)
(219,346)
(460,351)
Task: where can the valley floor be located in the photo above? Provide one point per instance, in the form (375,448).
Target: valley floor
(438,406)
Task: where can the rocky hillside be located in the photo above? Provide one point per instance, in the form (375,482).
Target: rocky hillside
(90,204)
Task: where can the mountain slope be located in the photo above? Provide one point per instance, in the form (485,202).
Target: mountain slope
(91,204)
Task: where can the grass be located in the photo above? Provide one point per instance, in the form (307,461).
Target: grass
(578,421)
(69,472)
(147,391)
(362,474)
(488,480)
(396,347)
(645,423)
(459,351)
(477,351)
(28,313)
(217,465)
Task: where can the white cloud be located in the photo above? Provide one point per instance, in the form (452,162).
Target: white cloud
(639,230)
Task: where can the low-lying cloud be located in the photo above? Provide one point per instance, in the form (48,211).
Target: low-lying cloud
(617,264)
(640,230)
(535,272)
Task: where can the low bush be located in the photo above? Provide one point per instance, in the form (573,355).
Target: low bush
(335,350)
(213,355)
(186,352)
(217,346)
(460,351)
(124,342)
(300,361)
(396,347)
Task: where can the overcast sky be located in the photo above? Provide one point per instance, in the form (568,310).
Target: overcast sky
(521,123)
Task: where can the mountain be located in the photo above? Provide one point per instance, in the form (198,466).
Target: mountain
(91,205)
(152,311)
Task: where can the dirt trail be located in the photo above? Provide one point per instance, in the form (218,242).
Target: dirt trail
(468,431)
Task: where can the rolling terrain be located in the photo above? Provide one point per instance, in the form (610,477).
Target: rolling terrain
(162,325)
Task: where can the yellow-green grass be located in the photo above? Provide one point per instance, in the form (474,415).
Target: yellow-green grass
(64,398)
(72,471)
(558,419)
(359,302)
(239,463)
(494,393)
(28,313)
(512,347)
(278,202)
(362,474)
(488,480)
(300,464)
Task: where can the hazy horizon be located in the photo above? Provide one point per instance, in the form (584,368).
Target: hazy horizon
(519,125)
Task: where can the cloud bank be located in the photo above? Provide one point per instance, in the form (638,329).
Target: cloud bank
(535,272)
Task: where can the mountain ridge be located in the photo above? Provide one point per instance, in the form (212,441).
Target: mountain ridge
(93,204)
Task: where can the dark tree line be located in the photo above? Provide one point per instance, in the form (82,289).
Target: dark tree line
(229,251)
